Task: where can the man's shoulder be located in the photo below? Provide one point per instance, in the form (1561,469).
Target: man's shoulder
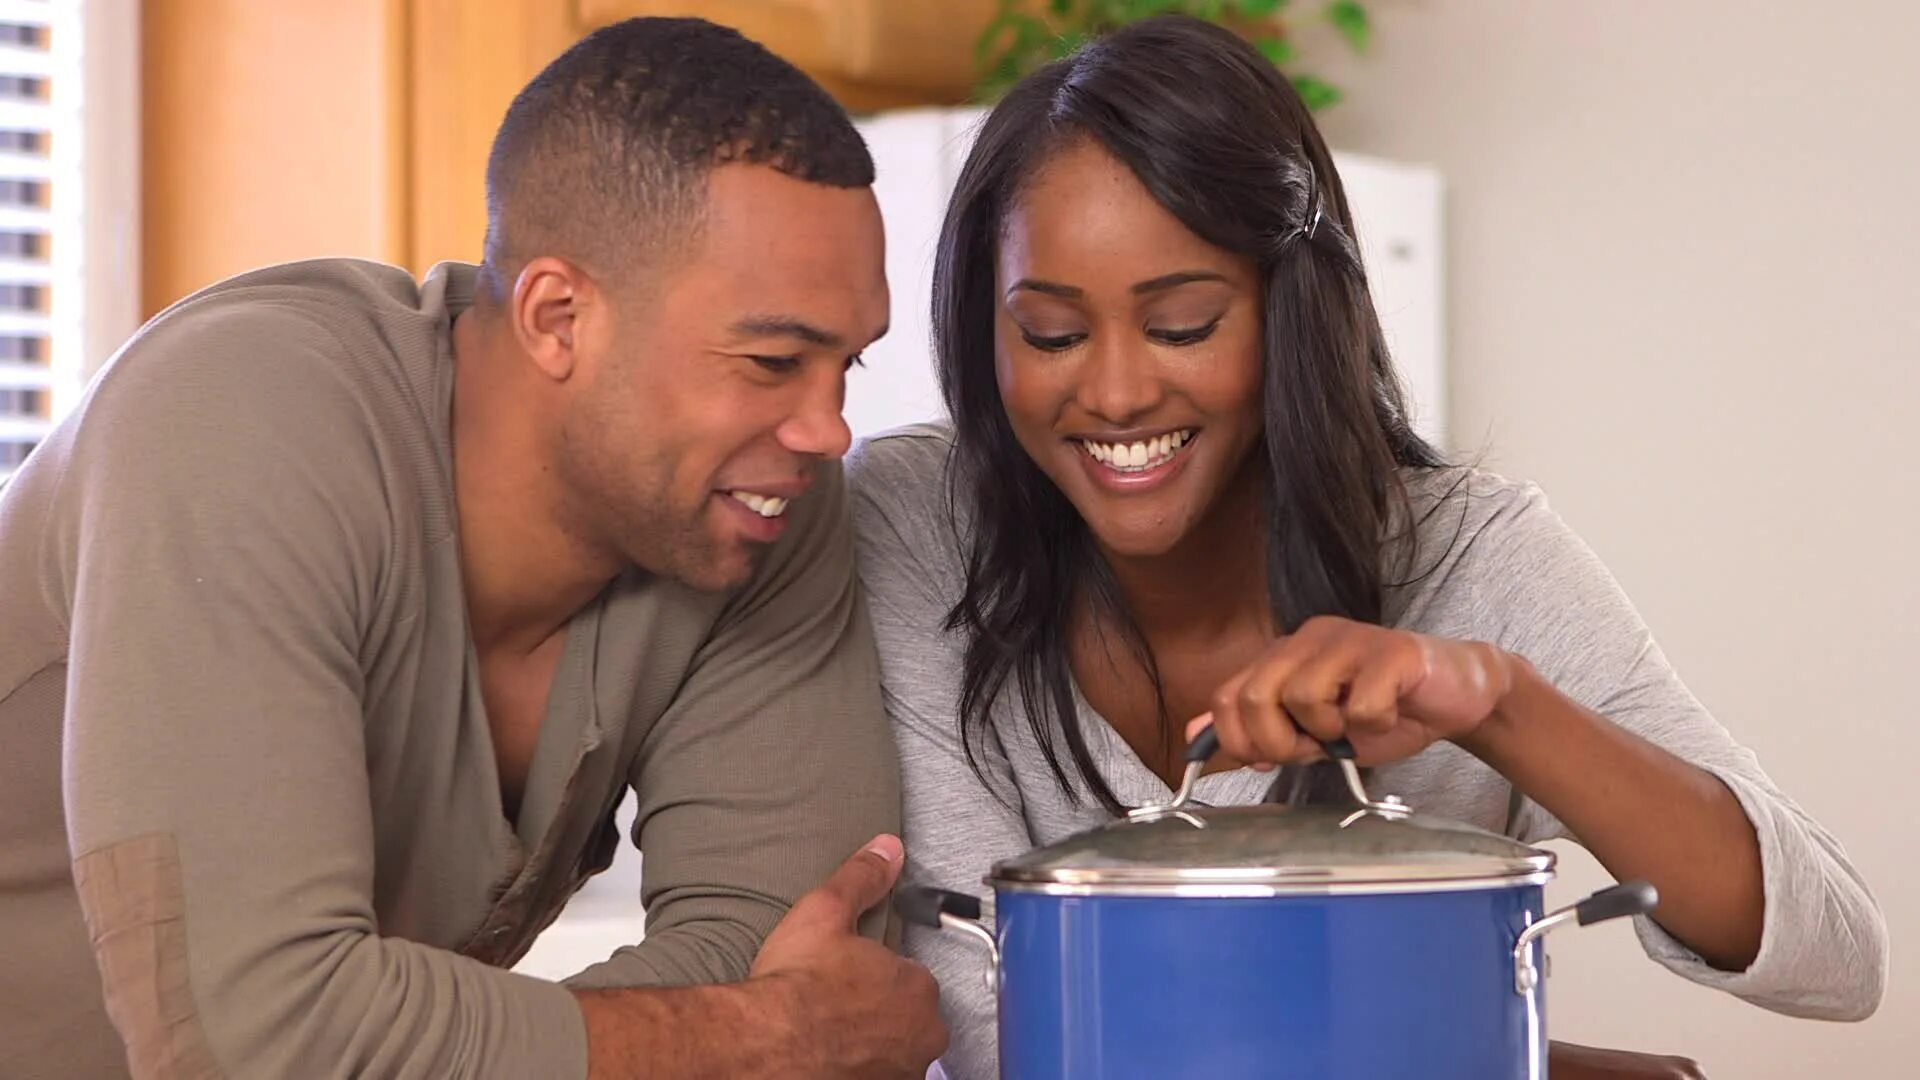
(335,284)
(322,321)
(341,348)
(260,392)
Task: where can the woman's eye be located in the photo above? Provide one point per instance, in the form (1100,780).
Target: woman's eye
(1052,344)
(779,365)
(1188,336)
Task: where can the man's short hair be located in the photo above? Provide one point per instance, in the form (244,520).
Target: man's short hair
(602,159)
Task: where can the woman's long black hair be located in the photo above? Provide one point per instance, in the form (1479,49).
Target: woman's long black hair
(1222,141)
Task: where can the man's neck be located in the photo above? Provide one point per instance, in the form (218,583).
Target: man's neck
(526,574)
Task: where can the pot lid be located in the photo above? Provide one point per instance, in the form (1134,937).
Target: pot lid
(1268,849)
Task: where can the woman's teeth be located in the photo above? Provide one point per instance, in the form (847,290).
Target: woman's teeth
(1138,456)
(764,505)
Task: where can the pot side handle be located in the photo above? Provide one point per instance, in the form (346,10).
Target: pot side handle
(1626,898)
(943,909)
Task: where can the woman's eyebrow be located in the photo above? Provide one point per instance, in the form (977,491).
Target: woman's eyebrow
(1180,277)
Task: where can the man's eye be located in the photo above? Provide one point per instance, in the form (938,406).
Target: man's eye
(779,365)
(856,360)
(1052,344)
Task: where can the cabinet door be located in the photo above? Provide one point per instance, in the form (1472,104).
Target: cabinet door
(870,54)
(467,60)
(255,150)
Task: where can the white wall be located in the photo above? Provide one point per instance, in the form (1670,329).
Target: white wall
(1683,250)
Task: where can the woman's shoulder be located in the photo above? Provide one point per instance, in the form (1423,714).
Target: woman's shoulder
(1481,492)
(913,454)
(1454,507)
(1485,546)
(905,516)
(901,473)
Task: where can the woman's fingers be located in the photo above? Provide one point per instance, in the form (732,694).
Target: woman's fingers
(1316,692)
(1334,678)
(1373,696)
(1225,714)
(1390,690)
(1280,708)
(1272,728)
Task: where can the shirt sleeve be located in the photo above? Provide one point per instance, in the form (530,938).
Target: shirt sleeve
(220,535)
(957,823)
(1823,950)
(771,766)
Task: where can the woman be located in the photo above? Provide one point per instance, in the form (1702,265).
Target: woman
(1180,488)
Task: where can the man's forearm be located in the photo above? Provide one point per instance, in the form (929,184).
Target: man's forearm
(693,1032)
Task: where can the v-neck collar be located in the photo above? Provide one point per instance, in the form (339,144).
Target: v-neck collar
(569,728)
(1134,784)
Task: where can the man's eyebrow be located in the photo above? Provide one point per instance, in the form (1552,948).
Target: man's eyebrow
(787,326)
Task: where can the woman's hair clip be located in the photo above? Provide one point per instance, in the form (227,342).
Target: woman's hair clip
(1313,198)
(1313,223)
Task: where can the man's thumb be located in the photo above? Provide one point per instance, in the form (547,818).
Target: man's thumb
(861,882)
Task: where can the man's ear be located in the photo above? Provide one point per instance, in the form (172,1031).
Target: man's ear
(549,297)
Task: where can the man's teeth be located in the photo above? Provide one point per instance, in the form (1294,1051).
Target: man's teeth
(1138,456)
(764,505)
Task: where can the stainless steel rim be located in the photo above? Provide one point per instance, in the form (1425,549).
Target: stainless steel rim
(1062,884)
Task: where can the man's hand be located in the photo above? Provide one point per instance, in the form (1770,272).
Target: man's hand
(822,1002)
(1565,1061)
(857,1009)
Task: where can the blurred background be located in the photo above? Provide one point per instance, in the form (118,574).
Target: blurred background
(1662,258)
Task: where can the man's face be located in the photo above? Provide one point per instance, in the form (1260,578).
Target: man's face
(709,396)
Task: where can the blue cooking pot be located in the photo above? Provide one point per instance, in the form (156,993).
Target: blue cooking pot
(1352,943)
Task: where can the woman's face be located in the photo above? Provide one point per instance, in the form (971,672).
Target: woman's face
(1127,351)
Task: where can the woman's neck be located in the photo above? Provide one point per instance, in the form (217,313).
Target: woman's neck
(1214,581)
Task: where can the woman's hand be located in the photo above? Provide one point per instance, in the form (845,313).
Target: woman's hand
(1392,692)
(1642,811)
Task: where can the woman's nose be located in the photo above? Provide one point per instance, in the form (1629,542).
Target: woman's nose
(1118,380)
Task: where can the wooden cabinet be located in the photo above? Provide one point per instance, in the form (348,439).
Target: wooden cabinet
(361,127)
(268,132)
(872,54)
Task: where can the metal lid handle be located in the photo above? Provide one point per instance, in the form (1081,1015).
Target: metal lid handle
(1204,745)
(1341,751)
(1207,743)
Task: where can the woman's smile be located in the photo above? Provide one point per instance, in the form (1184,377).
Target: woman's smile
(1136,465)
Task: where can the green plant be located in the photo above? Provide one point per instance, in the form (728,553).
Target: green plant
(1025,34)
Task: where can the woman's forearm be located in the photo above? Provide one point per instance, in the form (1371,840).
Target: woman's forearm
(1641,811)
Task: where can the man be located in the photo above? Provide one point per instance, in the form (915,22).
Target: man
(340,616)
